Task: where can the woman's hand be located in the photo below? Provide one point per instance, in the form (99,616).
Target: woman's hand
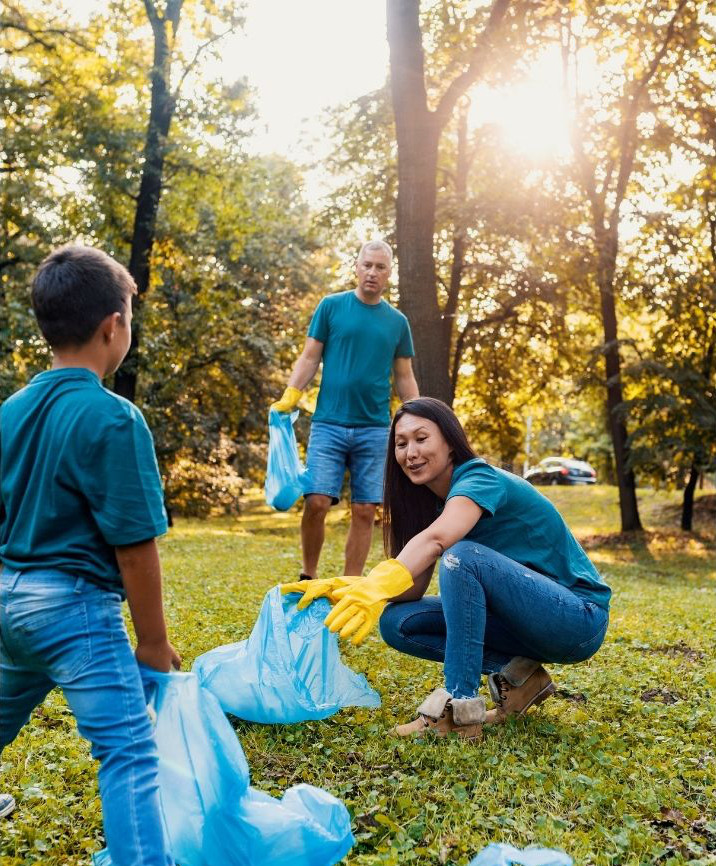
(360,605)
(313,589)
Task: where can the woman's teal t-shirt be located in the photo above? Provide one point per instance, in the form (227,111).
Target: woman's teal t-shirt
(520,523)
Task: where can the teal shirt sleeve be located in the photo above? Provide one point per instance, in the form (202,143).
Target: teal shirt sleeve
(124,490)
(319,327)
(405,346)
(481,484)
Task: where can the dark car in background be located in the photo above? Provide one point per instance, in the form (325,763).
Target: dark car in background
(561,470)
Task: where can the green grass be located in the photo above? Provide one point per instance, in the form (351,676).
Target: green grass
(621,769)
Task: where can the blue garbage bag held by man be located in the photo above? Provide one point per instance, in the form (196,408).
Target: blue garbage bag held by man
(286,476)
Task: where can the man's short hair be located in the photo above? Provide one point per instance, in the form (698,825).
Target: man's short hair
(377,245)
(74,289)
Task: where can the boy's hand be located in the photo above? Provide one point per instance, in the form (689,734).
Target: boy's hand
(161,656)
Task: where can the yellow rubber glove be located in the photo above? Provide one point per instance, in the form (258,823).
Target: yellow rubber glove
(360,605)
(313,589)
(289,400)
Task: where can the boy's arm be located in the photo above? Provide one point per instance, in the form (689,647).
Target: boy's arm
(142,579)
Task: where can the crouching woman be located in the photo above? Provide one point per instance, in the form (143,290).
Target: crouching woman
(516,588)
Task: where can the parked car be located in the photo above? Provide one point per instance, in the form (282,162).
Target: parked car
(561,470)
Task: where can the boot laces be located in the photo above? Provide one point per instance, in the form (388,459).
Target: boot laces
(503,687)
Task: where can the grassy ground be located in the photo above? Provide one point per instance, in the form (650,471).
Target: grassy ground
(619,769)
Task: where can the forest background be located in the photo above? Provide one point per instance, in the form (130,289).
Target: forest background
(558,263)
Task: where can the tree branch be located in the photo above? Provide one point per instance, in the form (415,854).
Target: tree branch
(479,55)
(199,51)
(628,139)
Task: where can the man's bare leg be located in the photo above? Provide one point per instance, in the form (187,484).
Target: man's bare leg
(315,509)
(359,538)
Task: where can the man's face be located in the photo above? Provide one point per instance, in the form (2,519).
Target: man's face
(373,271)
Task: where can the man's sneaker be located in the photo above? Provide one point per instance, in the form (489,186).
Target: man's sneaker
(303,576)
(521,684)
(441,714)
(7,804)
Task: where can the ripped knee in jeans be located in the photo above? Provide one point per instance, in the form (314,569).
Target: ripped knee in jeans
(451,562)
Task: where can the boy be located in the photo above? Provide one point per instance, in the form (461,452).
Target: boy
(80,507)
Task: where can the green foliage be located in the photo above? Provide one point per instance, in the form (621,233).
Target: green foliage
(618,769)
(674,400)
(517,234)
(235,265)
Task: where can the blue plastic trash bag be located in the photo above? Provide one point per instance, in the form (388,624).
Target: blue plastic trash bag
(211,815)
(289,669)
(507,855)
(286,477)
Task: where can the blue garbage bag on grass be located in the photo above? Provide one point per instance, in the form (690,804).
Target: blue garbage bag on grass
(286,476)
(498,854)
(289,669)
(211,815)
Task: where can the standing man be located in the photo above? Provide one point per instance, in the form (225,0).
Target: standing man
(360,338)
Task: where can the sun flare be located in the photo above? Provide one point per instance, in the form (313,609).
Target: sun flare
(531,115)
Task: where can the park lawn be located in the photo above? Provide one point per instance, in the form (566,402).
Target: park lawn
(620,768)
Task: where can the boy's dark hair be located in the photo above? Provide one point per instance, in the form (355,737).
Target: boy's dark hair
(74,289)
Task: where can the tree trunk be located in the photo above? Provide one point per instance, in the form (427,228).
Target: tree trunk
(150,187)
(606,236)
(417,135)
(418,132)
(607,244)
(415,226)
(687,511)
(459,235)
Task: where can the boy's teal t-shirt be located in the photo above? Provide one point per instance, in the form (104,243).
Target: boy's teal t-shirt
(78,477)
(360,343)
(520,523)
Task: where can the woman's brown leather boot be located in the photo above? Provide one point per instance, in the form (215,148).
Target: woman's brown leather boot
(521,684)
(441,714)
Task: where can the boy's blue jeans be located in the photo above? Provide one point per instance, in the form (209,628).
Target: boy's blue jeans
(56,629)
(490,609)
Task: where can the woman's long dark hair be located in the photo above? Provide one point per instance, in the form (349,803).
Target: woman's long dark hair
(409,508)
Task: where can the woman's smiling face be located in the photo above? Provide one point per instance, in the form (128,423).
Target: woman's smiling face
(422,452)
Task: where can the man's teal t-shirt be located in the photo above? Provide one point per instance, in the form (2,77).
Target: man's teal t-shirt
(520,523)
(78,477)
(360,343)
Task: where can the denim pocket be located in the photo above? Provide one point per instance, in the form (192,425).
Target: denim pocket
(59,636)
(585,650)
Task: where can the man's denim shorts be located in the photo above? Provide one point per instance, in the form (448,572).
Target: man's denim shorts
(361,450)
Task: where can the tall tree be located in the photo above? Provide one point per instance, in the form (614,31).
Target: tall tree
(418,130)
(234,257)
(164,19)
(33,45)
(674,408)
(606,142)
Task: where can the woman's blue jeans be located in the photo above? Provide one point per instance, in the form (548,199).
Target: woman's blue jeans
(59,630)
(490,609)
